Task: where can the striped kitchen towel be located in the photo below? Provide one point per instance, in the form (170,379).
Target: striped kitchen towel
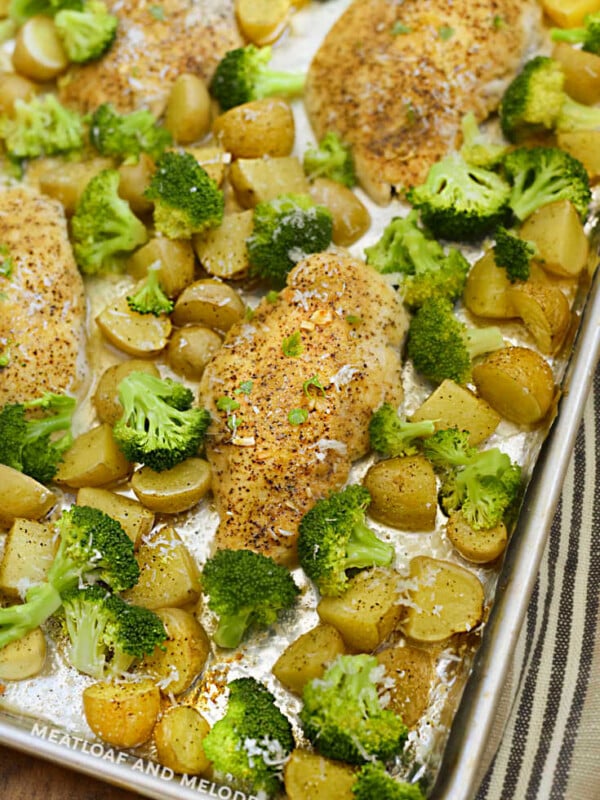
(550,747)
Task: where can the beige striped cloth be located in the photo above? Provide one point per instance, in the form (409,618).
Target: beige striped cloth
(550,749)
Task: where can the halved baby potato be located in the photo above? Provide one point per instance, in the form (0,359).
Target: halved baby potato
(22,496)
(23,658)
(94,459)
(172,490)
(38,53)
(106,397)
(178,737)
(310,775)
(545,311)
(135,519)
(403,493)
(412,671)
(486,290)
(263,21)
(481,546)
(208,302)
(308,657)
(122,714)
(222,251)
(133,333)
(256,129)
(558,234)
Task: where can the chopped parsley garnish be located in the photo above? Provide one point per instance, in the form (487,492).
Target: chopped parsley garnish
(399,28)
(245,387)
(233,423)
(314,382)
(352,319)
(157,12)
(445,32)
(498,22)
(249,314)
(292,345)
(272,296)
(5,357)
(297,416)
(6,262)
(227,404)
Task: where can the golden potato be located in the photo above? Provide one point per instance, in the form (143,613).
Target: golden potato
(367,612)
(133,333)
(308,657)
(582,72)
(446,599)
(66,180)
(263,21)
(257,179)
(486,289)
(106,397)
(454,406)
(213,160)
(134,179)
(517,382)
(584,145)
(24,658)
(135,519)
(545,311)
(38,52)
(480,547)
(569,13)
(122,714)
(178,737)
(169,576)
(94,459)
(14,87)
(175,261)
(558,234)
(172,490)
(309,775)
(351,219)
(403,493)
(29,550)
(185,652)
(222,251)
(208,302)
(412,671)
(188,112)
(256,129)
(191,348)
(22,496)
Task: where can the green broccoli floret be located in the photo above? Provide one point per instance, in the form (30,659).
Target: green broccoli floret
(21,10)
(186,199)
(245,589)
(87,34)
(483,484)
(253,740)
(125,136)
(40,127)
(286,230)
(541,175)
(150,298)
(374,782)
(440,346)
(513,254)
(588,35)
(28,443)
(460,201)
(158,427)
(104,225)
(535,101)
(243,74)
(343,716)
(424,268)
(334,537)
(478,148)
(392,436)
(92,547)
(107,635)
(332,158)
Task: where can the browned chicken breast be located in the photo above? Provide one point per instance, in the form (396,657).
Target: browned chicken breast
(306,372)
(154,44)
(42,313)
(395,78)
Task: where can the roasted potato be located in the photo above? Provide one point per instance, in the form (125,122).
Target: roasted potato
(188,112)
(257,179)
(309,775)
(135,519)
(412,670)
(65,180)
(545,311)
(481,546)
(184,655)
(308,657)
(106,397)
(208,302)
(191,348)
(351,218)
(446,599)
(256,129)
(94,459)
(584,145)
(403,493)
(172,490)
(134,179)
(38,52)
(486,290)
(24,658)
(136,334)
(175,258)
(581,71)
(178,737)
(222,251)
(29,550)
(558,234)
(14,87)
(263,21)
(122,714)
(22,496)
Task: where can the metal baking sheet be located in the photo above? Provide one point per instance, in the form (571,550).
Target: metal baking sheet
(59,734)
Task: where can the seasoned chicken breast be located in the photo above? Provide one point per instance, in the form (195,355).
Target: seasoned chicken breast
(395,78)
(42,313)
(300,382)
(154,44)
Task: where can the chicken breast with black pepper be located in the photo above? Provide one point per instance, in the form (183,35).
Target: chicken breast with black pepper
(394,79)
(42,310)
(291,393)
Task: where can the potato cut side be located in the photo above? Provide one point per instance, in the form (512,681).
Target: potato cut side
(444,599)
(94,459)
(569,13)
(412,670)
(134,518)
(175,261)
(209,302)
(271,132)
(29,550)
(309,775)
(106,397)
(486,290)
(22,496)
(480,546)
(403,493)
(122,714)
(308,657)
(38,52)
(173,490)
(558,234)
(133,333)
(545,311)
(351,218)
(581,71)
(178,737)
(258,179)
(263,21)
(24,658)
(222,251)
(584,145)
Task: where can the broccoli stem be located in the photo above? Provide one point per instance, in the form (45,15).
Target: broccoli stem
(483,340)
(364,549)
(575,116)
(231,629)
(272,83)
(16,621)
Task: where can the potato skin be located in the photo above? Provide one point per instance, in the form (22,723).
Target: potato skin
(185,652)
(271,133)
(308,657)
(178,737)
(172,490)
(106,397)
(403,493)
(191,348)
(311,776)
(412,670)
(22,496)
(480,547)
(122,714)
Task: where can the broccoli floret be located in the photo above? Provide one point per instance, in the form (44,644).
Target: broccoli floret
(104,225)
(107,635)
(513,254)
(541,175)
(392,436)
(441,346)
(460,201)
(334,537)
(478,148)
(92,547)
(29,443)
(86,35)
(588,35)
(374,782)
(125,136)
(286,230)
(158,427)
(243,74)
(332,158)
(21,10)
(150,298)
(483,484)
(343,716)
(40,127)
(245,589)
(536,101)
(424,268)
(186,199)
(252,741)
